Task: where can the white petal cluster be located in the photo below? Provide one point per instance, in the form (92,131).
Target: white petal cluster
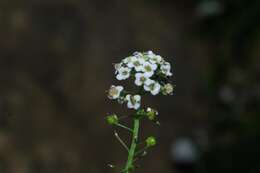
(150,73)
(144,67)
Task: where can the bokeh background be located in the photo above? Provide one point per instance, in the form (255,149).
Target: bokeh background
(56,63)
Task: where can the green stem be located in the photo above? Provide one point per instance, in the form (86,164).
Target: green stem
(131,154)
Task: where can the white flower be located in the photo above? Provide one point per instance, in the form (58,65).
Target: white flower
(152,86)
(140,79)
(137,63)
(155,59)
(127,59)
(149,69)
(115,91)
(123,73)
(137,54)
(149,52)
(117,67)
(133,102)
(166,68)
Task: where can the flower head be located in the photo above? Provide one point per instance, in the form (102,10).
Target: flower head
(152,86)
(115,91)
(133,102)
(123,73)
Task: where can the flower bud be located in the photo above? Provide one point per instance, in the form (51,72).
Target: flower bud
(150,141)
(151,113)
(112,119)
(141,113)
(167,89)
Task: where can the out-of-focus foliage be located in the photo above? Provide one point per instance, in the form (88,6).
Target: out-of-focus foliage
(234,87)
(55,59)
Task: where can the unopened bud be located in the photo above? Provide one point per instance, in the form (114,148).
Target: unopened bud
(151,114)
(167,89)
(150,141)
(112,119)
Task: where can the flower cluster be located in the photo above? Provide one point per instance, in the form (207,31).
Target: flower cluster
(150,72)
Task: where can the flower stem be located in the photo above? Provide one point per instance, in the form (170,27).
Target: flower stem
(141,151)
(124,127)
(131,154)
(121,141)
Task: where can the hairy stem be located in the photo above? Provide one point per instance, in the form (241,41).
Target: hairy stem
(131,154)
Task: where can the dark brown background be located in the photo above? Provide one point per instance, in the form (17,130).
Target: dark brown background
(56,63)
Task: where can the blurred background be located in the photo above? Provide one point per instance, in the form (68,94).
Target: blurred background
(56,63)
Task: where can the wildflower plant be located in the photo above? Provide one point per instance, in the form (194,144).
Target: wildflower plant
(151,74)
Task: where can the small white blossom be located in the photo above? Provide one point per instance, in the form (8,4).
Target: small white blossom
(152,86)
(140,79)
(166,68)
(155,59)
(137,63)
(149,69)
(115,91)
(117,67)
(138,54)
(127,59)
(123,73)
(149,52)
(133,102)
